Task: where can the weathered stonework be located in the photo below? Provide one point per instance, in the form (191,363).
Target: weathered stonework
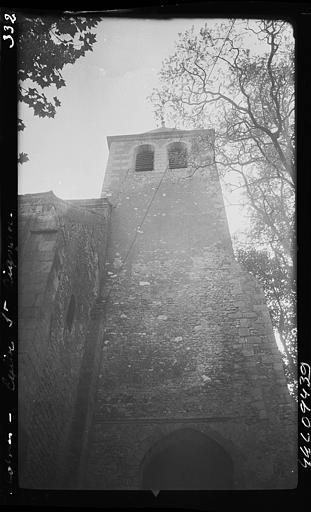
(170,341)
(61,254)
(188,340)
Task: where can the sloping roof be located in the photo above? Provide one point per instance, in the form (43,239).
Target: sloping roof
(163,129)
(158,133)
(83,211)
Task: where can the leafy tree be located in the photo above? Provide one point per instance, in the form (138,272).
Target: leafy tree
(237,76)
(216,78)
(279,288)
(46,45)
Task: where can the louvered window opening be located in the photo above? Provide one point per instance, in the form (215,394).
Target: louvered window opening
(144,159)
(177,156)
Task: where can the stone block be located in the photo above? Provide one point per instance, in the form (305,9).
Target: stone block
(249,315)
(243,332)
(244,322)
(46,245)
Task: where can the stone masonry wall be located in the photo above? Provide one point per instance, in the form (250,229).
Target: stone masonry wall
(188,339)
(62,253)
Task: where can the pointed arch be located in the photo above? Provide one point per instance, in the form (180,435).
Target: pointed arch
(187,459)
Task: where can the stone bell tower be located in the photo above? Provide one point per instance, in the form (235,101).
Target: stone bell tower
(191,391)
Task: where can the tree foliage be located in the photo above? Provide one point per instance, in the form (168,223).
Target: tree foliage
(279,287)
(216,78)
(46,45)
(237,77)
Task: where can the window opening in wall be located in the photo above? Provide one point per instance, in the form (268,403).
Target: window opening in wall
(177,155)
(144,158)
(70,313)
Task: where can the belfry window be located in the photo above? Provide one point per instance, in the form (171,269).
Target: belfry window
(144,158)
(177,155)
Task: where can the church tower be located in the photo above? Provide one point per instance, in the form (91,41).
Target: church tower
(191,392)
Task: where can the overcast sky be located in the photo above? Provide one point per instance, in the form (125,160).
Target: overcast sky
(105,95)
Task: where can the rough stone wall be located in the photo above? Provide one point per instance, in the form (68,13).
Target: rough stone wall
(188,339)
(61,254)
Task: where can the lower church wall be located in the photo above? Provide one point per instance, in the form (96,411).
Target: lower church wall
(60,266)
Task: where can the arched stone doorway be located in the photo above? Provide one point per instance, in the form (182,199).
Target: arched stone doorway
(187,459)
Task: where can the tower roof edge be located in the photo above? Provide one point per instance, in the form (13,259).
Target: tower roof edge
(160,133)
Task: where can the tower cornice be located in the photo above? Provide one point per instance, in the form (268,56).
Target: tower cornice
(165,133)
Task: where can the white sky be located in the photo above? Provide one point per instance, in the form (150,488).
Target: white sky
(105,95)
